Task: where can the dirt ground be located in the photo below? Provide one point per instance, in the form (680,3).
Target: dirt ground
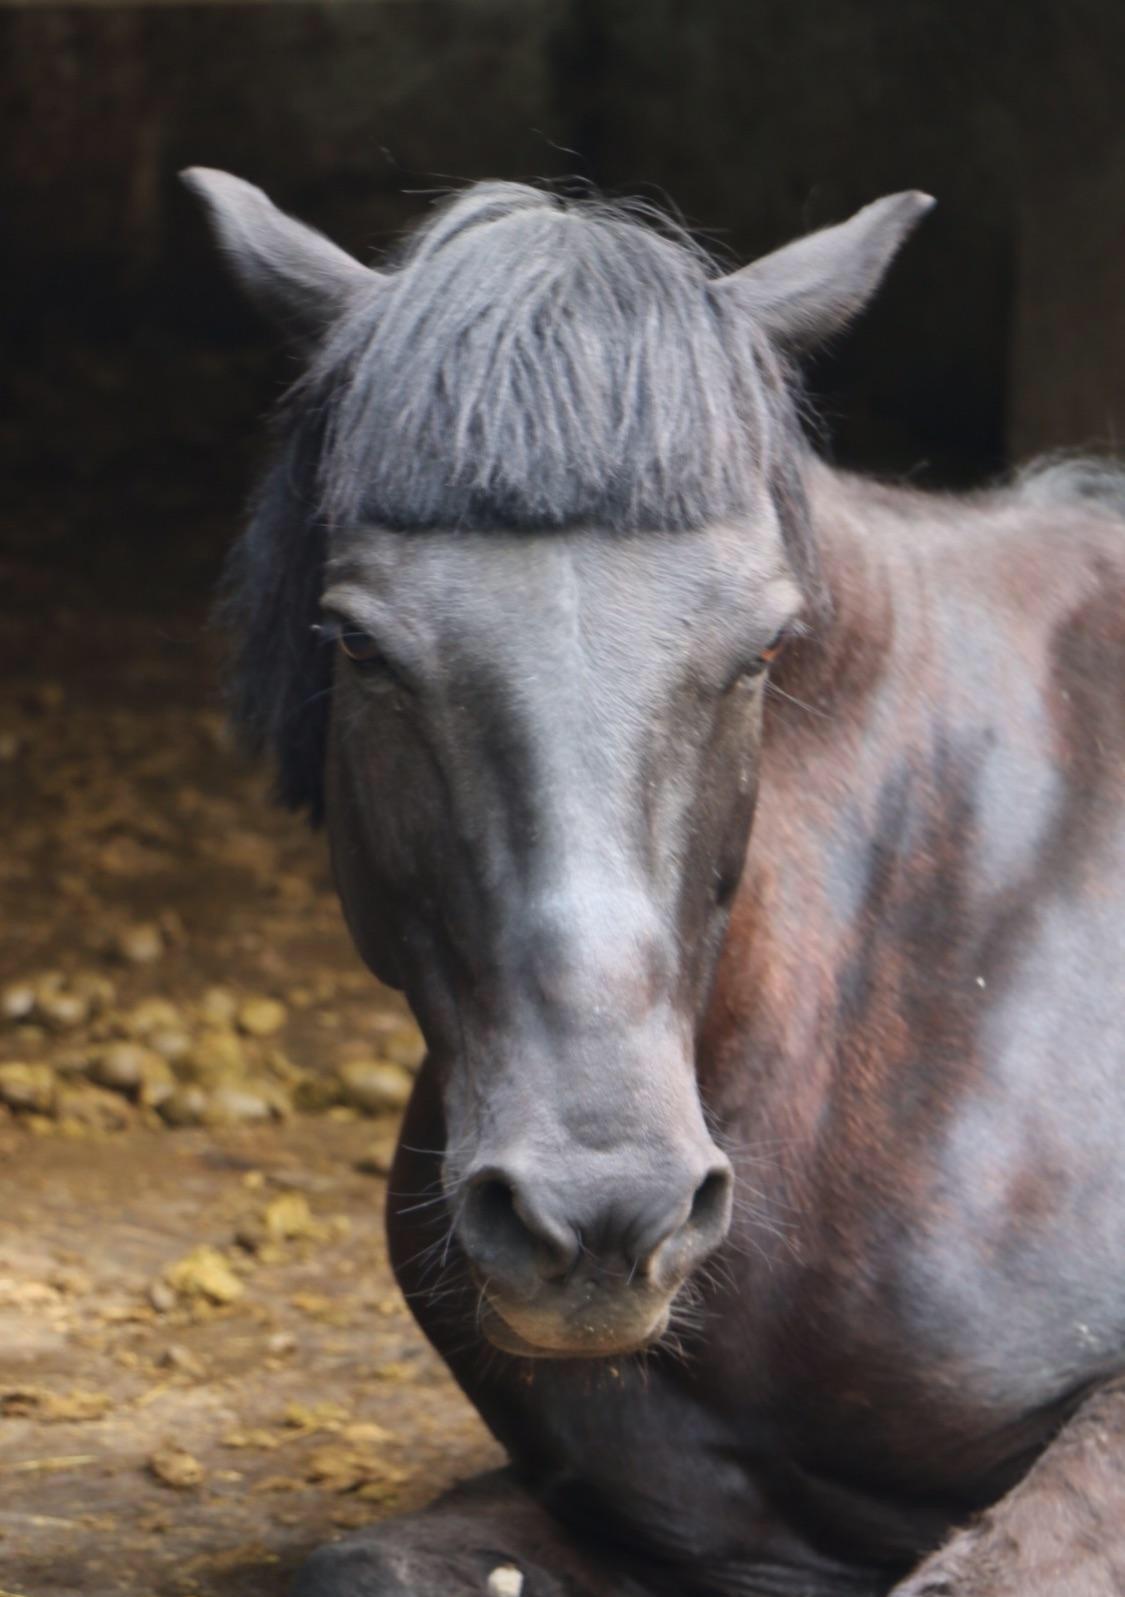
(205,1366)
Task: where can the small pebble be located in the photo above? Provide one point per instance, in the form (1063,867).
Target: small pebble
(379,1158)
(17,1001)
(142,944)
(98,991)
(130,1067)
(181,1359)
(184,1106)
(374,1085)
(404,1045)
(218,1006)
(175,1467)
(216,1056)
(91,1108)
(162,1297)
(204,1273)
(63,1010)
(28,1087)
(170,1043)
(153,1014)
(261,1017)
(228,1106)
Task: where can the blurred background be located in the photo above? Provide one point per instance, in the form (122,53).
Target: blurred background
(137,380)
(198,1084)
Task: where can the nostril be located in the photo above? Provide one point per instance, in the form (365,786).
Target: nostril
(495,1202)
(710,1207)
(509,1232)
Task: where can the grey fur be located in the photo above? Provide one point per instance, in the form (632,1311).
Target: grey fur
(539,363)
(809,290)
(300,279)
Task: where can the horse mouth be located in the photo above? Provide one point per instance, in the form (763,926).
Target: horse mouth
(531,1334)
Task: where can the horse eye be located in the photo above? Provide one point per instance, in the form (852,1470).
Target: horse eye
(774,648)
(359,647)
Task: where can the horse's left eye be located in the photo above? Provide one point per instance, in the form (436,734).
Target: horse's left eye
(774,648)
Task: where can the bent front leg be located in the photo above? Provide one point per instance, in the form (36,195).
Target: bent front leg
(1059,1533)
(486,1538)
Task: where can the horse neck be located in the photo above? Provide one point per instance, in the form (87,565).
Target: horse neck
(824,739)
(851,626)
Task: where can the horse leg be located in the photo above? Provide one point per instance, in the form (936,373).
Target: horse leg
(486,1538)
(1059,1533)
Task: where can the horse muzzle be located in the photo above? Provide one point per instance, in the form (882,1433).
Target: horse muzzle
(587,1268)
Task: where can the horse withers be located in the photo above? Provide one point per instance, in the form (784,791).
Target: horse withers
(748,839)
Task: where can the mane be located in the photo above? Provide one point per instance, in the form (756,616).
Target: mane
(527,362)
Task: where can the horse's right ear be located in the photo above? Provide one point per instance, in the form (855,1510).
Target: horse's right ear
(301,280)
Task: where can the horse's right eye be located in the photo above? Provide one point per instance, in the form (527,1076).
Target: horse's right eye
(359,647)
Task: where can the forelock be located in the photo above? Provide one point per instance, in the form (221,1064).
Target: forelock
(532,362)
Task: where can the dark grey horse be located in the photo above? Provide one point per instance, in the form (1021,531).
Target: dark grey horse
(749,841)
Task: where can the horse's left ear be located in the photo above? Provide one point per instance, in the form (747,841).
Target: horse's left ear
(812,288)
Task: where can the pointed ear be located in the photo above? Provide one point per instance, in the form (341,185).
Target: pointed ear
(812,288)
(300,280)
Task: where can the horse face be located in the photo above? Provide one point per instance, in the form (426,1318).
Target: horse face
(541,777)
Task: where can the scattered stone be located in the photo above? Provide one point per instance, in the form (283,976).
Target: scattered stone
(182,1360)
(380,1156)
(142,944)
(314,1094)
(83,1107)
(170,1043)
(218,1006)
(261,1017)
(232,1106)
(162,1297)
(374,1086)
(346,1466)
(129,1067)
(288,1216)
(184,1106)
(216,1056)
(177,1468)
(153,1015)
(28,1087)
(17,1001)
(54,1408)
(98,991)
(204,1273)
(62,1010)
(404,1045)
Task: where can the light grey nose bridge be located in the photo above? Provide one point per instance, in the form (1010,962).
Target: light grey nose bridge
(593,951)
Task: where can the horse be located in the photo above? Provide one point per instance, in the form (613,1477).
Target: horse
(747,838)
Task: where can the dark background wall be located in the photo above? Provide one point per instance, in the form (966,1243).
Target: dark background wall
(137,380)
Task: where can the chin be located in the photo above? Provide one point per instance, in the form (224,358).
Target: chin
(528,1335)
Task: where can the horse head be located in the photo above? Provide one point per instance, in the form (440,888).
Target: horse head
(507,608)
